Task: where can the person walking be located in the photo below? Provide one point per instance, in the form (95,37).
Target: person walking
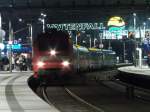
(13,63)
(5,62)
(29,63)
(24,63)
(20,61)
(148,60)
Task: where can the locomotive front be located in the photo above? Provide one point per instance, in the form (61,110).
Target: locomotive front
(52,54)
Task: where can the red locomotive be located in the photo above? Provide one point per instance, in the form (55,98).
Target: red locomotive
(53,52)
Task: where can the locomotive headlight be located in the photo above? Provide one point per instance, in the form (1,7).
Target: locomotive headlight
(65,63)
(53,52)
(40,64)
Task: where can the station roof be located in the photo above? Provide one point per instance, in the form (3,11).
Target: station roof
(30,9)
(63,11)
(67,3)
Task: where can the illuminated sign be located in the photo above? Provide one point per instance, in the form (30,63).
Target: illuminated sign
(116,21)
(77,26)
(116,26)
(14,46)
(113,35)
(115,29)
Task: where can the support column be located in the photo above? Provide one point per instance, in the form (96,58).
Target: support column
(130,91)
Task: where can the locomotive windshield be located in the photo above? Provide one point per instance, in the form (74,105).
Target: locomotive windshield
(57,40)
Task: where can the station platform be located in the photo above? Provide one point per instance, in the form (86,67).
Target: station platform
(16,96)
(143,70)
(135,76)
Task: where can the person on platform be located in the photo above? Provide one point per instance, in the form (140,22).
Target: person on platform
(146,46)
(5,62)
(20,62)
(148,60)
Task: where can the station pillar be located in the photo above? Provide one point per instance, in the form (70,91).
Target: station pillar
(139,50)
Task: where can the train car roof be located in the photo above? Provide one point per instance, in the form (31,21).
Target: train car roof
(94,49)
(108,51)
(77,46)
(81,48)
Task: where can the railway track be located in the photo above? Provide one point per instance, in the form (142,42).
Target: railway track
(139,93)
(66,101)
(94,96)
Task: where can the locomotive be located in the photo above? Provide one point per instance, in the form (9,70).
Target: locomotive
(55,55)
(52,53)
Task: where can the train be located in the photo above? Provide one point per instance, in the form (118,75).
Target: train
(54,55)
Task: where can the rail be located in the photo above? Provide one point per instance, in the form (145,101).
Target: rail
(130,90)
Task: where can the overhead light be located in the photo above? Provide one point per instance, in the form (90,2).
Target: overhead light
(20,20)
(134,14)
(10,5)
(44,15)
(40,19)
(10,42)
